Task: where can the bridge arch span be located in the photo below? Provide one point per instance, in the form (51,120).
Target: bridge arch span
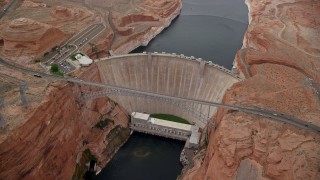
(167,74)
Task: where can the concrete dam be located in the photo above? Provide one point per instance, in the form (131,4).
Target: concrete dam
(167,74)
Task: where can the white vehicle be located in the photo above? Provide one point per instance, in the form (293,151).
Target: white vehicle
(37,75)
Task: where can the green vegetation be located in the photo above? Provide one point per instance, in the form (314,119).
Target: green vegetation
(114,132)
(58,73)
(115,138)
(55,70)
(46,54)
(88,155)
(169,117)
(103,123)
(54,48)
(85,142)
(77,172)
(81,167)
(73,56)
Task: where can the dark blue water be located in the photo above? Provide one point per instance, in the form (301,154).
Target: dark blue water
(145,157)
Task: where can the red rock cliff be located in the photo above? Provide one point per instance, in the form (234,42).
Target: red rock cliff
(49,144)
(280,59)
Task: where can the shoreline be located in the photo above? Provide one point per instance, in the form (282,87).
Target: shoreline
(148,36)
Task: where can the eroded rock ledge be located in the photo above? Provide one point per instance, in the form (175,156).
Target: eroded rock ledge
(280,59)
(51,141)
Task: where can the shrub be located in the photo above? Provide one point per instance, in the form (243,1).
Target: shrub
(73,56)
(85,141)
(54,68)
(89,155)
(58,73)
(103,123)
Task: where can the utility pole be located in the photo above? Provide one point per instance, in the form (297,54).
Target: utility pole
(23,87)
(3,124)
(1,102)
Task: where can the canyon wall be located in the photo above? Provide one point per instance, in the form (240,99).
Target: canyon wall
(281,62)
(166,74)
(51,141)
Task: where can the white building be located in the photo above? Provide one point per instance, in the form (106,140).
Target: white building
(142,122)
(83,60)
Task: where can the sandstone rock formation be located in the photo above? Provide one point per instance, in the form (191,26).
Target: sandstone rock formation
(65,13)
(47,139)
(281,61)
(49,144)
(28,3)
(129,24)
(3,3)
(30,36)
(138,29)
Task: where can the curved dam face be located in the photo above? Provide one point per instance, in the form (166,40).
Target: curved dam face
(168,74)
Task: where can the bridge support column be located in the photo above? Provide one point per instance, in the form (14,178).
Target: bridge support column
(1,102)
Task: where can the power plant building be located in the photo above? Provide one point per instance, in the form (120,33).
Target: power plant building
(142,122)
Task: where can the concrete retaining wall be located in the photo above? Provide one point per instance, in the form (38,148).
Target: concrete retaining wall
(168,74)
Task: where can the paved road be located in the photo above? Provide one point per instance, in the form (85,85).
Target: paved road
(71,46)
(6,8)
(243,60)
(257,111)
(59,55)
(315,86)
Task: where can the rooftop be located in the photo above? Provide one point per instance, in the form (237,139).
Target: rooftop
(141,116)
(171,124)
(83,60)
(194,138)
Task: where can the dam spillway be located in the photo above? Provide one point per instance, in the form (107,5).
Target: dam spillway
(167,74)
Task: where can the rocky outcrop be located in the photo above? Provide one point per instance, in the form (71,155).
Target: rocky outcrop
(29,36)
(281,62)
(28,3)
(65,13)
(3,3)
(128,25)
(155,19)
(56,133)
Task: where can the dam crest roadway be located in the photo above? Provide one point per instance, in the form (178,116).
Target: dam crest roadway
(193,88)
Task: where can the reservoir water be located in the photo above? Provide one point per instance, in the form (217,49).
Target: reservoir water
(211,38)
(209,29)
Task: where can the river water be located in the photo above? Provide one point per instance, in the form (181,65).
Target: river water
(145,157)
(209,29)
